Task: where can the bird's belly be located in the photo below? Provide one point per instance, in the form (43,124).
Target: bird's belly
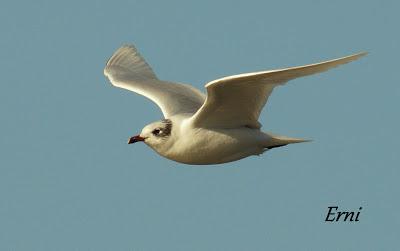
(216,146)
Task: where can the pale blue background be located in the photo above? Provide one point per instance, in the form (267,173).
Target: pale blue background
(69,181)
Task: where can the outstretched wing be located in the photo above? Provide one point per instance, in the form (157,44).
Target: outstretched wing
(128,70)
(237,100)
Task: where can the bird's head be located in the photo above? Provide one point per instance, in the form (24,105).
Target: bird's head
(155,134)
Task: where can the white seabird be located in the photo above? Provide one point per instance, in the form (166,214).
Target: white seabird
(219,127)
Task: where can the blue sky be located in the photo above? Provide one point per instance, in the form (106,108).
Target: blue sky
(69,181)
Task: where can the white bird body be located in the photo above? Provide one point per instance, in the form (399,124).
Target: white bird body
(212,146)
(218,128)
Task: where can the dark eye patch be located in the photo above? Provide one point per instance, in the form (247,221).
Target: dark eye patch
(156,132)
(163,131)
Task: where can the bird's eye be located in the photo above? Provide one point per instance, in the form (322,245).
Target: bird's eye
(156,132)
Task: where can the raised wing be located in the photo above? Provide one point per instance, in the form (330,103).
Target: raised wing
(237,100)
(128,70)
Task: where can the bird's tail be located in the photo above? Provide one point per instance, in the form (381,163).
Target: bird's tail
(278,141)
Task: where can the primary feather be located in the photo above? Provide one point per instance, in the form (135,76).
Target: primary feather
(128,70)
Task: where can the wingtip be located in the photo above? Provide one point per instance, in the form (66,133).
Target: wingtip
(127,58)
(362,54)
(128,45)
(357,55)
(122,49)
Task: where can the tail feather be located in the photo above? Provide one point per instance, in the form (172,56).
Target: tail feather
(277,141)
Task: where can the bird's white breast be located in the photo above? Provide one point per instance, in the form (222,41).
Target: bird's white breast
(206,146)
